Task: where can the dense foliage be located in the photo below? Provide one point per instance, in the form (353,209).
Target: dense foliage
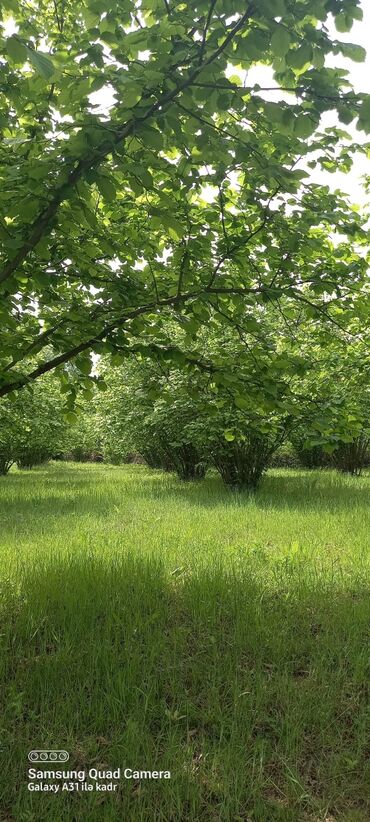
(187,418)
(105,227)
(32,426)
(213,413)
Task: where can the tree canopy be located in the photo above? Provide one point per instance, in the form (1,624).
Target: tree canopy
(107,238)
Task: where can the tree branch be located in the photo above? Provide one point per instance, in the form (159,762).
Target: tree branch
(243,241)
(184,260)
(113,326)
(170,302)
(44,220)
(205,30)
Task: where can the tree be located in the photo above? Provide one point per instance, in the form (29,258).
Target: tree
(9,429)
(184,419)
(89,194)
(334,428)
(32,425)
(82,442)
(149,411)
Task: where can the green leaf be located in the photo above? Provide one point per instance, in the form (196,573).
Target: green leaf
(229,435)
(41,63)
(318,59)
(175,228)
(144,176)
(304,126)
(16,49)
(254,44)
(288,119)
(364,115)
(84,364)
(280,42)
(117,359)
(301,57)
(71,417)
(345,115)
(343,22)
(328,449)
(152,137)
(90,17)
(274,112)
(353,52)
(131,95)
(106,188)
(242,403)
(273,8)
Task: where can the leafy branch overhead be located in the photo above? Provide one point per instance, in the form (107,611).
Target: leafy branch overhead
(146,182)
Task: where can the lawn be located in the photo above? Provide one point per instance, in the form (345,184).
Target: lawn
(156,625)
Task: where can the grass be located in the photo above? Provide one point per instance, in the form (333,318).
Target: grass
(152,624)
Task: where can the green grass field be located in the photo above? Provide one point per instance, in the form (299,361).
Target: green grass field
(152,624)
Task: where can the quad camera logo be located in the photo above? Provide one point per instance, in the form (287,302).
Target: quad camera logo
(48,756)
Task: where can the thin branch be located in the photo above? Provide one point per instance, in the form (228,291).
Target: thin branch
(40,339)
(241,331)
(154,280)
(222,210)
(184,260)
(245,240)
(286,257)
(222,131)
(161,349)
(322,311)
(205,30)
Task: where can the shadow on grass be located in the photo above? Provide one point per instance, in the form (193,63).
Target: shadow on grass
(254,700)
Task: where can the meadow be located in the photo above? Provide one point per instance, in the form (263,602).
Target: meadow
(154,624)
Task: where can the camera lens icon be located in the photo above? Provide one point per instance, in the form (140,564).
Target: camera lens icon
(63,756)
(48,756)
(33,756)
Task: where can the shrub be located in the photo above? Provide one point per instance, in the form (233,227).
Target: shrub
(32,428)
(155,424)
(174,449)
(187,461)
(177,422)
(32,455)
(241,464)
(11,431)
(352,457)
(314,457)
(83,438)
